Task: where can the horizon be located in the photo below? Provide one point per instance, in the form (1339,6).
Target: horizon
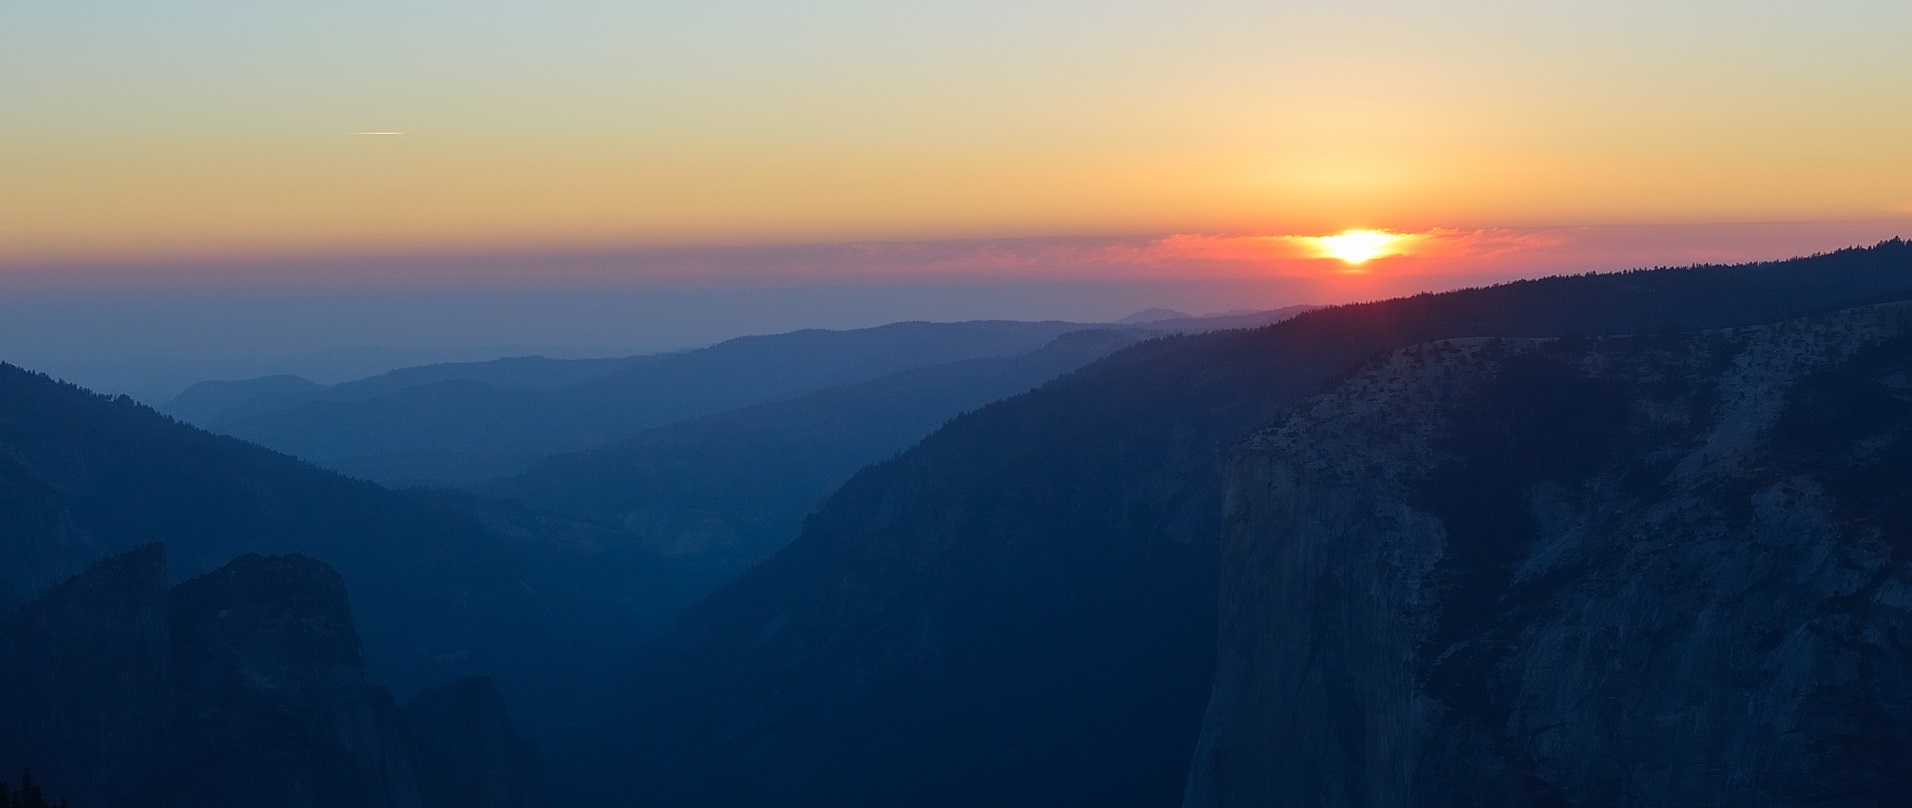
(204,180)
(304,322)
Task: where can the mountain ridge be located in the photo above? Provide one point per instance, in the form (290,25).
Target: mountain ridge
(463,424)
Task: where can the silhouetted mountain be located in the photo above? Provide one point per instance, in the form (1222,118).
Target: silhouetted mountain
(209,401)
(84,476)
(1021,609)
(1658,570)
(157,379)
(213,402)
(735,486)
(511,373)
(469,423)
(1153,315)
(243,687)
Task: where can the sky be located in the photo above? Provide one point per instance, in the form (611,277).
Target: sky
(214,153)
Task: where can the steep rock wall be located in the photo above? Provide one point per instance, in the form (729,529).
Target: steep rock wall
(1655,570)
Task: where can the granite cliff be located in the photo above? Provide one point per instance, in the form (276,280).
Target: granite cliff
(274,705)
(1657,570)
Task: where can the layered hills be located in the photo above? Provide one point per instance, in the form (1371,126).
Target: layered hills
(465,423)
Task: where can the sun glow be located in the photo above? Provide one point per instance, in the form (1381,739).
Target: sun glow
(1357,247)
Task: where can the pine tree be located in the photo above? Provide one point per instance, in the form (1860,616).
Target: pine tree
(29,795)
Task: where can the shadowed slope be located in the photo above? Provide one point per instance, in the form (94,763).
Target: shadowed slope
(84,476)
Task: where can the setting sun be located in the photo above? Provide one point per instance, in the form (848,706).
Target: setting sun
(1357,246)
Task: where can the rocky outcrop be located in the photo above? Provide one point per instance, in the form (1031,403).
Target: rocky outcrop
(1670,570)
(468,754)
(275,705)
(244,687)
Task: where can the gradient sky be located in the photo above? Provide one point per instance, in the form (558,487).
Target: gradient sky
(169,128)
(181,178)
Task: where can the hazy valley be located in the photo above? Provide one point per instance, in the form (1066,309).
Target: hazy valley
(1373,554)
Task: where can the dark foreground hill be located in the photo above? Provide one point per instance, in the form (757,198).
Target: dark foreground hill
(244,687)
(1665,570)
(1021,609)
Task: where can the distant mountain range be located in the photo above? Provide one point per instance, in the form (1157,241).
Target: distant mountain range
(158,379)
(464,423)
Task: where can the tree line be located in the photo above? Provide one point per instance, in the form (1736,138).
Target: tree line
(28,795)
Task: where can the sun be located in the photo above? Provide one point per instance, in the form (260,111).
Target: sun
(1357,247)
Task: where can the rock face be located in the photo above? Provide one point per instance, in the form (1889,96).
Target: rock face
(1662,570)
(468,754)
(275,705)
(244,687)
